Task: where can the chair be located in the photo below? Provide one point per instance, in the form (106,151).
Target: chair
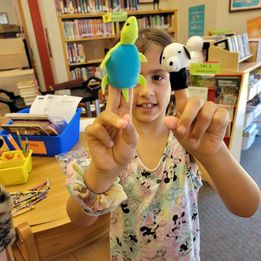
(87,90)
(63,241)
(15,103)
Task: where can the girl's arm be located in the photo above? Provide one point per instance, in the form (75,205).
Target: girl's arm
(76,214)
(236,188)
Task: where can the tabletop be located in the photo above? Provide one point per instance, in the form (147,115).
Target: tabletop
(51,211)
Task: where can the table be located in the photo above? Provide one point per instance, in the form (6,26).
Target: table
(52,232)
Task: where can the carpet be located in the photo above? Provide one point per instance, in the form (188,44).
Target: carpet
(224,236)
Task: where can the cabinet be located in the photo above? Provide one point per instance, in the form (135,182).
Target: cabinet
(230,64)
(86,38)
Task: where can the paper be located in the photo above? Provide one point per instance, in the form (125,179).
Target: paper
(56,106)
(84,123)
(201,92)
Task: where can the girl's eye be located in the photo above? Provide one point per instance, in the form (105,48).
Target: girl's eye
(157,77)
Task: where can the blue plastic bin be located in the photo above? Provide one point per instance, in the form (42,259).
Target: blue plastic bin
(51,145)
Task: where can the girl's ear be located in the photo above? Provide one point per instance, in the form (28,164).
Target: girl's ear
(187,52)
(160,56)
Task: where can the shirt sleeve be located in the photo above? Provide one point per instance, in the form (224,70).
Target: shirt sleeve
(92,203)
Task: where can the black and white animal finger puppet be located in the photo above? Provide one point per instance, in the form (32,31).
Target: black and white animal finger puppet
(7,232)
(175,58)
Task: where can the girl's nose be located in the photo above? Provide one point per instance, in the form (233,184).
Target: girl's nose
(146,90)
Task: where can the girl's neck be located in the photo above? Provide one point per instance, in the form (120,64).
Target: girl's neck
(151,129)
(151,144)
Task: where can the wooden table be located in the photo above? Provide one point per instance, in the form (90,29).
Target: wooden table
(52,232)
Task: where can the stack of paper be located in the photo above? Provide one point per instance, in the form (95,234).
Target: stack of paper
(28,90)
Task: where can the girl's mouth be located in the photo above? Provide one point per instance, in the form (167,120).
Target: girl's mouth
(146,105)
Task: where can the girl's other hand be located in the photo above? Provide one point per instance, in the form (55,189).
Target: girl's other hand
(200,127)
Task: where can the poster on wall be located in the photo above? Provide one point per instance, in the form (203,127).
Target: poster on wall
(243,5)
(196,20)
(254,27)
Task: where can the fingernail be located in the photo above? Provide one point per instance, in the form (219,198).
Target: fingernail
(181,130)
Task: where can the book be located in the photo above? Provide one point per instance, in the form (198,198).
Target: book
(34,130)
(255,48)
(55,124)
(227,88)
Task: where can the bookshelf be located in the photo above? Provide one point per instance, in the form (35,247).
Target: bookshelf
(86,39)
(230,64)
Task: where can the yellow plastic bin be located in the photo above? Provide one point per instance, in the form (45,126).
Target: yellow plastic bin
(15,167)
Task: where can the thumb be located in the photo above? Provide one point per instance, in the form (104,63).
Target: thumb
(129,133)
(171,122)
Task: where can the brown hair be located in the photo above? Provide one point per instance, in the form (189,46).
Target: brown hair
(148,37)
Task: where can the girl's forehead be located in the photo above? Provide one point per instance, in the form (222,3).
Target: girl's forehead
(153,50)
(153,56)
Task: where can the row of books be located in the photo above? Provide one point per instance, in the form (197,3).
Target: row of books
(236,43)
(28,90)
(162,22)
(85,6)
(75,53)
(34,124)
(86,72)
(87,28)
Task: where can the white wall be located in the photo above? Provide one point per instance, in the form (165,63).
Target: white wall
(235,21)
(10,8)
(33,44)
(50,22)
(217,16)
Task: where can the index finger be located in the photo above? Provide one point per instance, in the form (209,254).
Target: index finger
(181,97)
(116,102)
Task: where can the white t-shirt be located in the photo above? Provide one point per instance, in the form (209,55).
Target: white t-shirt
(159,220)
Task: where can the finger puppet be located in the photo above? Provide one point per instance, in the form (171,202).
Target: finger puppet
(7,232)
(195,45)
(175,58)
(122,62)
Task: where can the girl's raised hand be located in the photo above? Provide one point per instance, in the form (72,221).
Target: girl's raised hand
(200,126)
(112,137)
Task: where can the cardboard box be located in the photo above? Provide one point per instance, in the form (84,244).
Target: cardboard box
(9,79)
(12,54)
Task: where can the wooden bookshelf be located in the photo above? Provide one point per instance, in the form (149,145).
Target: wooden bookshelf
(95,47)
(231,65)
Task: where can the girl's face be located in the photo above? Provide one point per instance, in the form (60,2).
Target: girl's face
(150,102)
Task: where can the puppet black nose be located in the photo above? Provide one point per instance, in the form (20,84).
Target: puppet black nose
(171,63)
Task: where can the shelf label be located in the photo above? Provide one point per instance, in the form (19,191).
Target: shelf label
(205,68)
(115,17)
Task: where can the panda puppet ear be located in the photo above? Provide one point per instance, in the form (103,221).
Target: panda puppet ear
(160,59)
(187,52)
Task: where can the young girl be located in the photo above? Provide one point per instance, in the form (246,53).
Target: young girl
(143,167)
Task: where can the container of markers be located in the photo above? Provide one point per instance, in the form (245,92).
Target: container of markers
(15,167)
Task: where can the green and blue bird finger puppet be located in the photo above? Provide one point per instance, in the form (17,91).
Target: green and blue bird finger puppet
(123,61)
